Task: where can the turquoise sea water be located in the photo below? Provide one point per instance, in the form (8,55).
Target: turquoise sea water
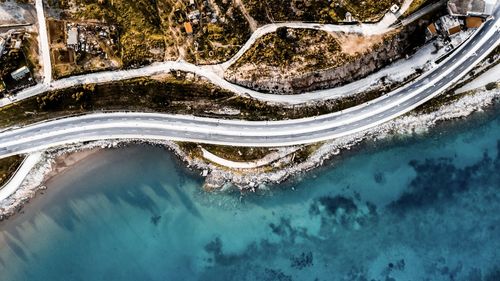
(419,208)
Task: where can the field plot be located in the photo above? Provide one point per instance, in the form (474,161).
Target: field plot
(197,31)
(16,71)
(82,47)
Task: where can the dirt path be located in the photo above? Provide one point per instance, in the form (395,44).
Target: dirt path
(243,9)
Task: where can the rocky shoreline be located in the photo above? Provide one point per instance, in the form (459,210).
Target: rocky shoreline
(411,123)
(221,178)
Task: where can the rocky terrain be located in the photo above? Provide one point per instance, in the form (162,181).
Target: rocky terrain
(357,62)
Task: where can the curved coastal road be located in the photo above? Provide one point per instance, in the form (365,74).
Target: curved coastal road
(263,133)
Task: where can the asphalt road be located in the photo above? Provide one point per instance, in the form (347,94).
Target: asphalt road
(247,133)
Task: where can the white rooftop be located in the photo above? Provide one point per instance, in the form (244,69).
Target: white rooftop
(72,36)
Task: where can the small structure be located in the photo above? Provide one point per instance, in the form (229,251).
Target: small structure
(450,25)
(179,15)
(394,8)
(348,17)
(454,30)
(20,73)
(72,37)
(431,31)
(188,28)
(473,22)
(482,8)
(16,44)
(14,41)
(194,15)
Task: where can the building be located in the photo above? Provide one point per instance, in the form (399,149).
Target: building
(454,30)
(450,25)
(188,28)
(473,22)
(348,17)
(481,8)
(431,31)
(194,15)
(72,37)
(20,73)
(394,8)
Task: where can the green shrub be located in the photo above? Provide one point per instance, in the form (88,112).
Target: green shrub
(490,86)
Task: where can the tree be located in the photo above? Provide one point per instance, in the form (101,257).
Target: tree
(282,32)
(491,86)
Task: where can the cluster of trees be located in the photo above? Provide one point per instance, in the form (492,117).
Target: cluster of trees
(492,85)
(8,166)
(316,10)
(11,62)
(57,100)
(220,40)
(62,4)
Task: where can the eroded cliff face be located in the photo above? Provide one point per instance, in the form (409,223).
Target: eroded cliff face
(274,80)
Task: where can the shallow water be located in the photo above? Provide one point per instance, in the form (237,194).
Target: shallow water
(419,208)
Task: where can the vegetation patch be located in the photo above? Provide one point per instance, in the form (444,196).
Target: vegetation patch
(293,61)
(232,153)
(8,166)
(176,95)
(156,30)
(297,60)
(218,32)
(238,154)
(303,154)
(317,10)
(10,62)
(138,22)
(303,50)
(295,50)
(57,34)
(416,5)
(139,26)
(248,154)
